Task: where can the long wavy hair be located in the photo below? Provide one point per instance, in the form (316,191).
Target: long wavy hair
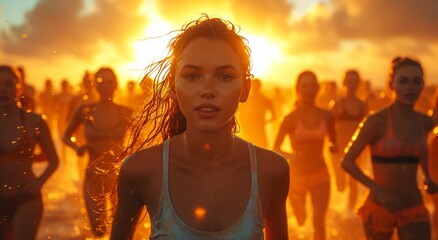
(161,118)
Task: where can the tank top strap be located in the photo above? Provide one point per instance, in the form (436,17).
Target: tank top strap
(253,164)
(165,178)
(254,203)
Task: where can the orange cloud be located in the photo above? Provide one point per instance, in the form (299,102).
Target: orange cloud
(371,20)
(63,28)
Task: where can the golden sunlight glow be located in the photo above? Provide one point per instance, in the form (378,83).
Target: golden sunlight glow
(200,213)
(151,47)
(264,53)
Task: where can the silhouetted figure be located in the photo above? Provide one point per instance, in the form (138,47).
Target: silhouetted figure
(46,102)
(396,136)
(21,205)
(328,95)
(307,127)
(61,102)
(86,95)
(349,111)
(255,114)
(105,123)
(28,93)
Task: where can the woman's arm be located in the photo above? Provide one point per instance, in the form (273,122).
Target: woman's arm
(284,129)
(73,124)
(365,134)
(45,141)
(129,205)
(276,218)
(430,185)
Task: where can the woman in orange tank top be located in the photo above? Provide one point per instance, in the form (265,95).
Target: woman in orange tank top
(397,139)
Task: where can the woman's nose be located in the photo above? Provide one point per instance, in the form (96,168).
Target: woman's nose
(207,89)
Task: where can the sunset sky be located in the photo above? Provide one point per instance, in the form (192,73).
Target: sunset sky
(63,38)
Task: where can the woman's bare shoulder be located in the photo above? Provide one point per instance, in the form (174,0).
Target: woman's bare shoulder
(143,162)
(428,121)
(271,162)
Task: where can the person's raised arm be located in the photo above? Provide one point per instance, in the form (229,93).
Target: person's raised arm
(129,205)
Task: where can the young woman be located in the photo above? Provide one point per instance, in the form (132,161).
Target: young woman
(396,136)
(202,182)
(349,111)
(307,127)
(105,123)
(21,205)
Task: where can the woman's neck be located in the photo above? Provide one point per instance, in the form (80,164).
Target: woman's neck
(209,146)
(402,108)
(351,95)
(106,101)
(307,104)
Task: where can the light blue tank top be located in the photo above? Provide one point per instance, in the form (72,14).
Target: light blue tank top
(166,224)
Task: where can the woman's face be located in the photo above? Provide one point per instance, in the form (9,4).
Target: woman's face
(106,84)
(8,88)
(308,88)
(209,84)
(407,84)
(351,82)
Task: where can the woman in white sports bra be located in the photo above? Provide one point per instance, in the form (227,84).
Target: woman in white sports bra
(196,179)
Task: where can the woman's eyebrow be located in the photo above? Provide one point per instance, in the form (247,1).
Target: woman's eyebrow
(225,67)
(192,66)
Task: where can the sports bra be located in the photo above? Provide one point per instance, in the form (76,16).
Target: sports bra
(347,116)
(389,149)
(166,224)
(93,132)
(303,134)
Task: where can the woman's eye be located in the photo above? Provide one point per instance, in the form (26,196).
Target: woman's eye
(402,80)
(191,76)
(225,77)
(418,81)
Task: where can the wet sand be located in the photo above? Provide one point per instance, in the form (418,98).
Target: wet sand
(65,217)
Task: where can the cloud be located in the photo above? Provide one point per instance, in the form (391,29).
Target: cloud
(261,16)
(376,21)
(56,28)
